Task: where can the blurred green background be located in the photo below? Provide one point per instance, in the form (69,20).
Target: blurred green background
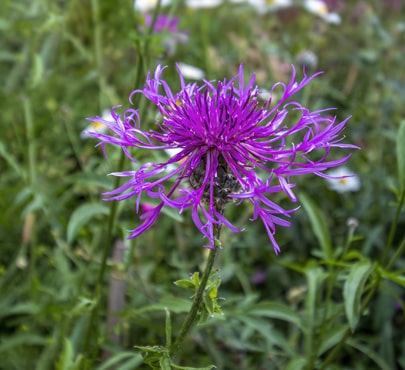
(63,61)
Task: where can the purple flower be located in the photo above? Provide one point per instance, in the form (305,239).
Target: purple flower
(164,23)
(231,148)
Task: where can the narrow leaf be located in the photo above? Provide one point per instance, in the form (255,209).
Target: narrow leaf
(297,363)
(318,223)
(81,216)
(368,351)
(168,329)
(315,277)
(331,338)
(209,367)
(353,290)
(276,310)
(129,357)
(401,154)
(66,358)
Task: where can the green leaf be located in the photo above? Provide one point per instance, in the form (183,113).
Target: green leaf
(315,277)
(173,214)
(276,310)
(188,284)
(401,154)
(331,338)
(24,339)
(396,277)
(26,308)
(174,304)
(132,361)
(353,290)
(368,351)
(157,357)
(318,223)
(209,367)
(168,328)
(10,159)
(297,363)
(81,216)
(66,358)
(37,71)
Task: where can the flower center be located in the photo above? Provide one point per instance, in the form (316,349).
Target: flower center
(225,183)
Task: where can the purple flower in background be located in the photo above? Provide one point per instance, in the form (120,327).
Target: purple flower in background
(164,23)
(230,148)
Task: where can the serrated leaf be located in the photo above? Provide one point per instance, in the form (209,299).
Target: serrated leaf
(81,216)
(353,290)
(318,223)
(401,154)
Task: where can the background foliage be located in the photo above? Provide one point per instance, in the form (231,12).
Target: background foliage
(334,297)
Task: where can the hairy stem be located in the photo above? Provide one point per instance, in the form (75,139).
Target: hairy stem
(196,305)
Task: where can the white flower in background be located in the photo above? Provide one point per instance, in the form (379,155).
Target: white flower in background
(203,3)
(191,72)
(264,6)
(343,180)
(171,153)
(146,5)
(264,94)
(319,8)
(97,126)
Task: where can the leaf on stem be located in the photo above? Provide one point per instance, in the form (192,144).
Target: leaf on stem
(353,290)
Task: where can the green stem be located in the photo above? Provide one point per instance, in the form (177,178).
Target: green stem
(32,176)
(195,307)
(98,49)
(393,229)
(398,253)
(92,328)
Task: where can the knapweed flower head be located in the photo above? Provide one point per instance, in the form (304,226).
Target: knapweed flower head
(231,147)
